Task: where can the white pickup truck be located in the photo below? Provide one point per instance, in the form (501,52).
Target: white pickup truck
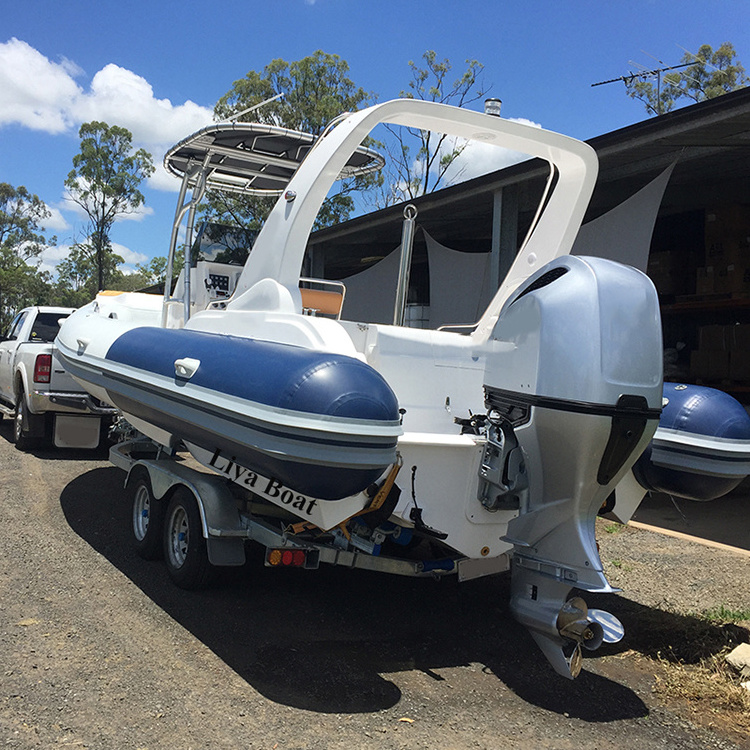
(35,391)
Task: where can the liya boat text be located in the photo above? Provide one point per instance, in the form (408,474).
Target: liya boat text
(271,489)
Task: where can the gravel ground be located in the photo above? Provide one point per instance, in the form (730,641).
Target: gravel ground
(99,650)
(673,574)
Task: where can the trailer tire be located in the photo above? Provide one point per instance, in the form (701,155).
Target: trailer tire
(185,551)
(147,517)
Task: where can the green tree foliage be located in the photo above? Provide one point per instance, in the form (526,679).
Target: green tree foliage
(21,242)
(419,159)
(316,90)
(78,274)
(708,74)
(149,275)
(104,182)
(154,271)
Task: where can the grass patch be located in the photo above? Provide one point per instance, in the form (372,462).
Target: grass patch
(614,528)
(620,565)
(690,651)
(683,639)
(709,686)
(724,614)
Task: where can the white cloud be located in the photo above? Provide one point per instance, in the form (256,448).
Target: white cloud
(52,255)
(131,257)
(163,180)
(119,96)
(56,222)
(70,206)
(43,95)
(35,92)
(71,68)
(138,215)
(480,158)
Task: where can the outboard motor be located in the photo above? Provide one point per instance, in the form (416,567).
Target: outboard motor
(575,379)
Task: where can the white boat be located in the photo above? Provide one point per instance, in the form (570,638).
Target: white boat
(512,436)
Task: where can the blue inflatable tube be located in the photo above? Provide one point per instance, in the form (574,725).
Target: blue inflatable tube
(701,449)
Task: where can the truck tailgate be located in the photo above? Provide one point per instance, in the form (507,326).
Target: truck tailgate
(60,380)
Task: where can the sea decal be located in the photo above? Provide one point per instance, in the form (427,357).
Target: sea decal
(325,514)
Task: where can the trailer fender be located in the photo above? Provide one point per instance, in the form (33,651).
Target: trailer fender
(220,520)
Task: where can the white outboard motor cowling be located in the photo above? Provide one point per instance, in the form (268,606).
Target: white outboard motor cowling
(579,392)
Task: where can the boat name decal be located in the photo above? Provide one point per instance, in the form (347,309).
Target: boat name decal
(271,488)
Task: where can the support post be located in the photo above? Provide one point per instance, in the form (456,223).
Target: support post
(407,242)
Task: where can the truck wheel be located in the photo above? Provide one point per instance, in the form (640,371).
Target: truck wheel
(22,425)
(148,518)
(185,550)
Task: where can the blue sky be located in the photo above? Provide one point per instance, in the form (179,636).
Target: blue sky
(158,67)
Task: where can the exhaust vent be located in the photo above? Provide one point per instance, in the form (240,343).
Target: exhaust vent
(544,280)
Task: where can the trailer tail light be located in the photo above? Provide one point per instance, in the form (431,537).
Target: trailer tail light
(285,557)
(42,368)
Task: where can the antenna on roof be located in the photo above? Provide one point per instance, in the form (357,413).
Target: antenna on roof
(646,74)
(237,115)
(642,74)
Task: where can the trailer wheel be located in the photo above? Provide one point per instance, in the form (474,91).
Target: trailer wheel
(147,517)
(22,425)
(185,550)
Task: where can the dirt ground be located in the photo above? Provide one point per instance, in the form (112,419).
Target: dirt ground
(99,650)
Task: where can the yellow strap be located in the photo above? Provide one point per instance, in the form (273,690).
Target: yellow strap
(298,528)
(375,504)
(384,491)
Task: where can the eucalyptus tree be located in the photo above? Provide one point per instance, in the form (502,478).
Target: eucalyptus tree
(104,182)
(419,159)
(22,239)
(316,89)
(705,75)
(77,274)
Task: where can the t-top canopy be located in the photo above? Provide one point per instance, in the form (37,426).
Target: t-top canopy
(252,158)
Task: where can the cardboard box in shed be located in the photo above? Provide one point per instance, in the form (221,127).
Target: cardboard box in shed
(704,282)
(710,365)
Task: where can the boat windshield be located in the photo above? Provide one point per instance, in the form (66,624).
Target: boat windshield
(219,243)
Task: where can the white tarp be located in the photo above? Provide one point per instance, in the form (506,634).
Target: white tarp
(371,294)
(624,233)
(459,284)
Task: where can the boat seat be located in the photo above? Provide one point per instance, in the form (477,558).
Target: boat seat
(322,302)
